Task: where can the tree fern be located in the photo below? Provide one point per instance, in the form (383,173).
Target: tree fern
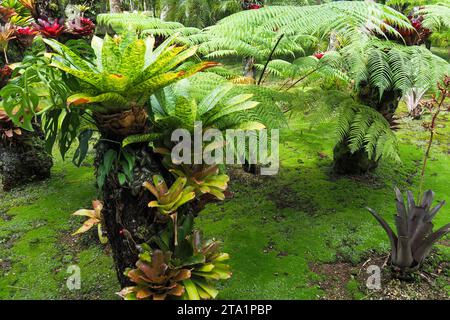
(380,74)
(365,128)
(436,16)
(362,126)
(388,65)
(143,24)
(247,31)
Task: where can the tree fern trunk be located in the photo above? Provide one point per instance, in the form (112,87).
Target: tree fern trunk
(249,68)
(248,62)
(128,220)
(346,162)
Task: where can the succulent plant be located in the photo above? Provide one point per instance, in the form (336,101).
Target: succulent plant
(415,236)
(168,200)
(204,179)
(95,218)
(155,278)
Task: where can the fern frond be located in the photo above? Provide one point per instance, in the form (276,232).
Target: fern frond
(146,25)
(252,30)
(387,65)
(365,128)
(436,16)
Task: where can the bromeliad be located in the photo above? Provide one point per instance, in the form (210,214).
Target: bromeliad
(84,28)
(125,73)
(26,35)
(205,179)
(49,29)
(168,200)
(415,236)
(6,35)
(95,218)
(207,266)
(155,278)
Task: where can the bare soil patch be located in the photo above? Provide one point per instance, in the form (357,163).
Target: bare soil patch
(427,284)
(5,266)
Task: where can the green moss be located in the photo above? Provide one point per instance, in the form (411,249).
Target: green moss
(36,259)
(323,218)
(353,290)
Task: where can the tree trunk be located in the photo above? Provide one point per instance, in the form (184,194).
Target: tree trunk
(24,160)
(249,68)
(115,6)
(128,220)
(346,162)
(359,162)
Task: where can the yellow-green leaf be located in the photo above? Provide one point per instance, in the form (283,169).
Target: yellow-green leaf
(191,290)
(133,59)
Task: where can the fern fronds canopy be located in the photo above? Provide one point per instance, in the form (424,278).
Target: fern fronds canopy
(436,16)
(387,65)
(361,126)
(145,25)
(253,32)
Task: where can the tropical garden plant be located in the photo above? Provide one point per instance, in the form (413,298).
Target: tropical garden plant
(112,92)
(24,156)
(129,92)
(94,218)
(415,237)
(379,71)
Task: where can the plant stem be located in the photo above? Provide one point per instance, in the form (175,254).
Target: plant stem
(6,56)
(430,143)
(269,58)
(302,78)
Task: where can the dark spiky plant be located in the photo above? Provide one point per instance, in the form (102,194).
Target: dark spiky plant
(415,236)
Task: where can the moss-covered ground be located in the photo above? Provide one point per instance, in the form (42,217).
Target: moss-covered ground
(275,227)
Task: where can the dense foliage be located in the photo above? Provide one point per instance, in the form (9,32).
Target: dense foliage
(156,71)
